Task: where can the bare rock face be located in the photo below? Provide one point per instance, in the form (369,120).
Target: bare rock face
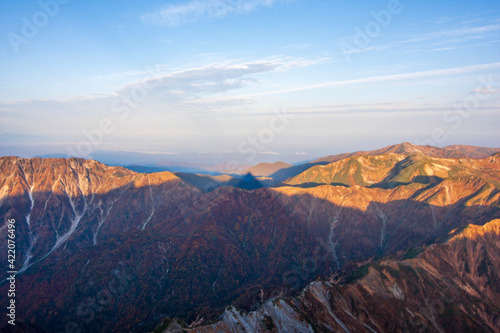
(62,205)
(103,248)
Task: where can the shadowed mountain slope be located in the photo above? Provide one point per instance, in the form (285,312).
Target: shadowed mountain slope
(96,242)
(452,286)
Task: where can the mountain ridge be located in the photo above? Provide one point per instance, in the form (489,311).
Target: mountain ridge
(176,250)
(382,297)
(453,151)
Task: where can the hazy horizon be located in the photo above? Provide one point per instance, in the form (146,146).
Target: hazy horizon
(286,79)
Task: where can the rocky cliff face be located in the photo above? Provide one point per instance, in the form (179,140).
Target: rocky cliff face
(62,205)
(108,249)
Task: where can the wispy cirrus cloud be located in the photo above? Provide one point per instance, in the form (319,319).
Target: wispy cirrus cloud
(463,31)
(454,38)
(193,90)
(486,91)
(389,78)
(402,108)
(194,10)
(439,39)
(217,78)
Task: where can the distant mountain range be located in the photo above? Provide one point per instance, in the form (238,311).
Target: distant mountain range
(206,163)
(405,148)
(404,238)
(217,163)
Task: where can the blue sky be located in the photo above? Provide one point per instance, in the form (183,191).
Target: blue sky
(208,75)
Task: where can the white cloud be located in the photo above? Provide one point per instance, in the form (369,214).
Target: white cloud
(486,91)
(355,50)
(132,73)
(465,31)
(268,153)
(393,77)
(197,90)
(403,110)
(192,11)
(459,34)
(214,78)
(187,83)
(438,40)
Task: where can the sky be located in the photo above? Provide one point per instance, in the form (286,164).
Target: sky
(259,78)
